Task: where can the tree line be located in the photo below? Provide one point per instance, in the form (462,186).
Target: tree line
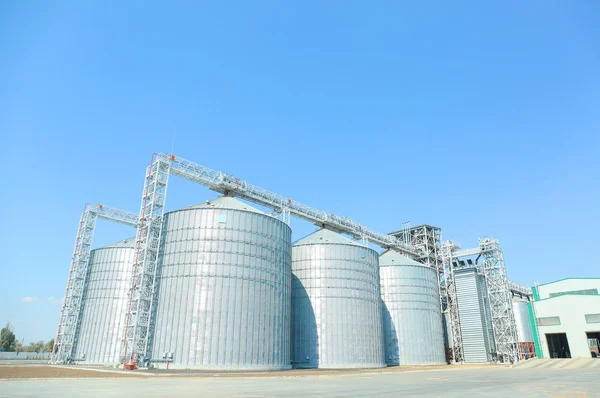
(9,342)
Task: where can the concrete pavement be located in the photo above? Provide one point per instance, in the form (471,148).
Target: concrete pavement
(454,382)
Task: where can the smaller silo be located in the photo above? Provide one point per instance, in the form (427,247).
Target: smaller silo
(524,327)
(412,318)
(104,306)
(336,305)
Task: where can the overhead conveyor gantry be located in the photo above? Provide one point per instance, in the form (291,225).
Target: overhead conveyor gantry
(139,325)
(67,333)
(139,321)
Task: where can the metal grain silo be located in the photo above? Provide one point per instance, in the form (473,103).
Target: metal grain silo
(412,318)
(336,304)
(224,288)
(523,321)
(105,301)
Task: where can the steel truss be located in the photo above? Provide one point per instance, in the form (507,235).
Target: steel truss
(228,184)
(139,323)
(67,334)
(500,298)
(140,314)
(520,290)
(449,298)
(499,291)
(425,238)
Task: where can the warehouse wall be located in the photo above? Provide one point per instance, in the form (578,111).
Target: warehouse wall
(568,285)
(571,310)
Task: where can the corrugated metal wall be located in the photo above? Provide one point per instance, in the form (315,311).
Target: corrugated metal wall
(336,305)
(105,303)
(522,321)
(225,289)
(412,319)
(474,315)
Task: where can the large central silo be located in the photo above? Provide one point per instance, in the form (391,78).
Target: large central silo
(105,301)
(412,319)
(336,304)
(225,288)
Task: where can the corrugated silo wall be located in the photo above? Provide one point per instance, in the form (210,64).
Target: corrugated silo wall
(412,320)
(523,322)
(474,316)
(105,305)
(225,290)
(336,307)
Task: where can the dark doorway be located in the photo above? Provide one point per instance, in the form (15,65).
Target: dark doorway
(558,345)
(594,343)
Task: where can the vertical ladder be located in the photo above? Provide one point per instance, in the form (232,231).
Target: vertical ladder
(500,299)
(447,250)
(534,324)
(139,324)
(67,334)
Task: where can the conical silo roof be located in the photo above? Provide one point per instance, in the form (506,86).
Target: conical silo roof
(129,242)
(226,202)
(393,258)
(326,237)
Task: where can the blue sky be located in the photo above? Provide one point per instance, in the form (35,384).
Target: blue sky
(478,118)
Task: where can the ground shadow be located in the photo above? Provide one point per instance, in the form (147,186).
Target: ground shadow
(304,337)
(390,338)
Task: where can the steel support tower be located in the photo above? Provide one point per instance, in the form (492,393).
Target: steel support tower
(449,298)
(425,238)
(67,334)
(500,298)
(499,290)
(140,314)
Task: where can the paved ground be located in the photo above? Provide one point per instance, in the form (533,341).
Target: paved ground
(547,363)
(490,381)
(36,371)
(32,371)
(23,362)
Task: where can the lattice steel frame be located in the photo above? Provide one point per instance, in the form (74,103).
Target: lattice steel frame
(449,298)
(424,238)
(427,239)
(500,298)
(499,291)
(67,334)
(520,290)
(139,321)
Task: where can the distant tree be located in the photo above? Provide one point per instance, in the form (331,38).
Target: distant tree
(38,347)
(7,338)
(50,345)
